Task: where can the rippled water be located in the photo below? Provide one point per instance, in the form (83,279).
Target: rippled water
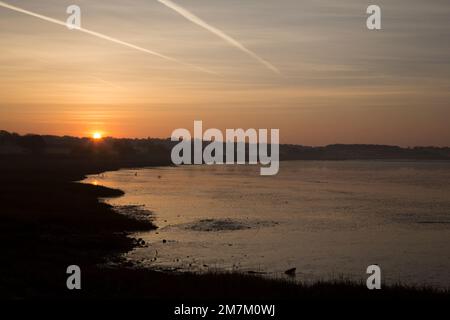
(327,219)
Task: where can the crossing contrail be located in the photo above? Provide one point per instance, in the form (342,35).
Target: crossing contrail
(193,18)
(103,36)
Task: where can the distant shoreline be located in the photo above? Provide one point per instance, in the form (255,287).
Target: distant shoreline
(152,149)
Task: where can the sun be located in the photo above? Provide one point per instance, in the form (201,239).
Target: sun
(97,135)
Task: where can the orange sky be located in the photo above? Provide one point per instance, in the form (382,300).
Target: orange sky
(338,82)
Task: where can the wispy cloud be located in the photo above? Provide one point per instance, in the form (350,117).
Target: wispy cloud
(103,36)
(193,18)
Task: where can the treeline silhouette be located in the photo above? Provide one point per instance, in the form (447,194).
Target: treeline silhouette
(363,152)
(13,143)
(154,151)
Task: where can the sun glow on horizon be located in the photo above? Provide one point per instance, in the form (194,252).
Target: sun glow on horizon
(97,136)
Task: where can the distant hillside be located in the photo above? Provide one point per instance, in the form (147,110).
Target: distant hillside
(362,152)
(158,150)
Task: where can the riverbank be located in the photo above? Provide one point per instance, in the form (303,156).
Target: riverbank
(48,222)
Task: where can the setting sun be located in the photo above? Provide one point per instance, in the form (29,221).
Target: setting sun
(97,135)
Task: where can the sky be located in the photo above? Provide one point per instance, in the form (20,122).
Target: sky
(310,68)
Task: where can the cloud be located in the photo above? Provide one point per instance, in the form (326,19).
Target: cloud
(194,19)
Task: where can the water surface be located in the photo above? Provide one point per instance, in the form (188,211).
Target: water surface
(325,218)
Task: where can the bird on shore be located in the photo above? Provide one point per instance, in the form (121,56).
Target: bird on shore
(291,272)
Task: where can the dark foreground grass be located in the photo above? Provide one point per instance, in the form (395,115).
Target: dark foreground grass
(225,286)
(48,222)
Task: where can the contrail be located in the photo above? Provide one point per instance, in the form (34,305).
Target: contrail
(193,18)
(103,36)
